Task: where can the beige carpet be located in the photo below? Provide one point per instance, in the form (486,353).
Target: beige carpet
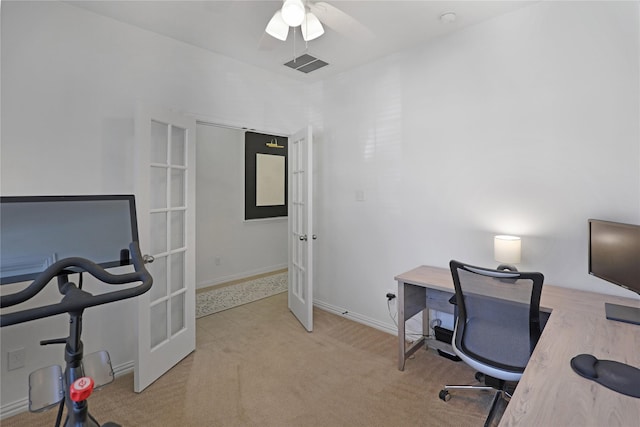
(256,366)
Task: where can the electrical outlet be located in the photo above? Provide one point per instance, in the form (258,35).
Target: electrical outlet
(16,359)
(393,292)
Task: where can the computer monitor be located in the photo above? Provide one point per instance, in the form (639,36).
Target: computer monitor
(614,256)
(36,231)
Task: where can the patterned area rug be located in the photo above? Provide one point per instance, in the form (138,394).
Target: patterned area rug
(228,297)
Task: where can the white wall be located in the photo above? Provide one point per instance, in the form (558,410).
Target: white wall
(227,246)
(70,83)
(526,124)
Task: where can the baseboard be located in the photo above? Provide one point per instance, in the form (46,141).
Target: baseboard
(240,276)
(22,405)
(356,317)
(14,408)
(123,369)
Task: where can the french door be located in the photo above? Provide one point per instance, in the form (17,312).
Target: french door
(301,235)
(165,198)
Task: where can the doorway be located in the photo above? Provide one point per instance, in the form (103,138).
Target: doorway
(228,248)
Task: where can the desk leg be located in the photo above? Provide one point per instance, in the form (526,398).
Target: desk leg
(401,325)
(426,331)
(412,299)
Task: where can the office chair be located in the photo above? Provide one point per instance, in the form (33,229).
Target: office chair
(497,326)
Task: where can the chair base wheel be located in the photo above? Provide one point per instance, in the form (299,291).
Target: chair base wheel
(444,395)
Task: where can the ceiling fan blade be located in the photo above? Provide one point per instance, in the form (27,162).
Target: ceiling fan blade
(341,22)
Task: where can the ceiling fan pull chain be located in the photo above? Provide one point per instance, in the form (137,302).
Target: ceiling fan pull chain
(294,44)
(304,36)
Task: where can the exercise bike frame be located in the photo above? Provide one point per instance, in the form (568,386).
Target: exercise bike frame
(74,302)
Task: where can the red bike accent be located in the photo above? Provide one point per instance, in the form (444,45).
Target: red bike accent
(81,389)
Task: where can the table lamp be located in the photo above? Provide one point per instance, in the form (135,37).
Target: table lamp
(506,250)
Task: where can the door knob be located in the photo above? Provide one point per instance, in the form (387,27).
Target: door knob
(304,237)
(148,259)
(314,237)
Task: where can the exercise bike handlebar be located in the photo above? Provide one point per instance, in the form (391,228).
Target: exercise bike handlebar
(78,299)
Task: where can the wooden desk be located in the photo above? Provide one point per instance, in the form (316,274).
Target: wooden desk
(549,393)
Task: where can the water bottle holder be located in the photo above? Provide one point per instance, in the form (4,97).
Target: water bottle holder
(98,366)
(46,388)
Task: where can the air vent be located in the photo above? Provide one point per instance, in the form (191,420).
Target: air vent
(306,63)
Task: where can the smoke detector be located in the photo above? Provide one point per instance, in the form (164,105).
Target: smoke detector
(448,18)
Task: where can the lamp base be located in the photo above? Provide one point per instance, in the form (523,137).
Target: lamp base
(508,267)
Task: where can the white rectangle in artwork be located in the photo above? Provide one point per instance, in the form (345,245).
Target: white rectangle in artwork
(269,180)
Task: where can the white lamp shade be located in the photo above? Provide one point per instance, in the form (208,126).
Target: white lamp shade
(277,27)
(506,249)
(293,12)
(311,27)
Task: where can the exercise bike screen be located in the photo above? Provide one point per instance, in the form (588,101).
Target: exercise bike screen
(35,232)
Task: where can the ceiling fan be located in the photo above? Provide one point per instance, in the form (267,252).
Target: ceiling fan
(308,16)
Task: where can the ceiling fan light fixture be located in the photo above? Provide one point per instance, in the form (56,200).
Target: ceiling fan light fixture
(293,12)
(311,27)
(277,27)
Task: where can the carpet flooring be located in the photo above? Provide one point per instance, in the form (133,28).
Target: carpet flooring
(255,365)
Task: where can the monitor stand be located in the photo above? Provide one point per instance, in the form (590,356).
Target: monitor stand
(622,313)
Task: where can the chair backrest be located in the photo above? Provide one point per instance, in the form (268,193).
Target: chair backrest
(498,315)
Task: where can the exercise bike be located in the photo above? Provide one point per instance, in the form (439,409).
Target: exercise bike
(73,388)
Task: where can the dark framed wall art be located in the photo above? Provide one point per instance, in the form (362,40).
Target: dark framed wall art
(265,176)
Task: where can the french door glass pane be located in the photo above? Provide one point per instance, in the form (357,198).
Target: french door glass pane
(158,318)
(177,271)
(300,288)
(178,137)
(158,270)
(177,229)
(158,189)
(159,142)
(158,232)
(177,187)
(177,313)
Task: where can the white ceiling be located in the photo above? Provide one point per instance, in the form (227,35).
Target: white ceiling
(362,30)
